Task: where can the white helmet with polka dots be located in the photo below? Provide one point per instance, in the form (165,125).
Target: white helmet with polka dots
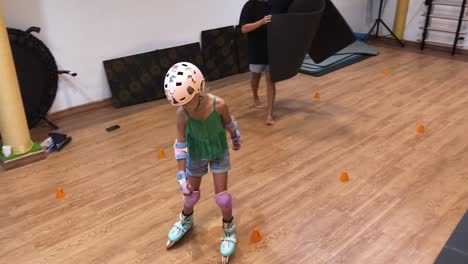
(182,82)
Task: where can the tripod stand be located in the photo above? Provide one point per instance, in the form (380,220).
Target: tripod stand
(377,24)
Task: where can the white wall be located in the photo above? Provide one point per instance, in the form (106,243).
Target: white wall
(82,34)
(355,13)
(413,21)
(361,15)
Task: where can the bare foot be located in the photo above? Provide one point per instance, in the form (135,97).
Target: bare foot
(270,120)
(258,105)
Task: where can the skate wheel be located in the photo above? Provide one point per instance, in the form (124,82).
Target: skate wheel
(224,259)
(169,244)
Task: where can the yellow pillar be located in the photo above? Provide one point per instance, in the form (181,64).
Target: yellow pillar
(400,18)
(13,125)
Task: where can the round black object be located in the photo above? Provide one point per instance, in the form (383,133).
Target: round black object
(37,74)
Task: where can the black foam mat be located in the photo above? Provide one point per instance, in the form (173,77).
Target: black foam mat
(333,35)
(455,250)
(310,27)
(290,36)
(219,53)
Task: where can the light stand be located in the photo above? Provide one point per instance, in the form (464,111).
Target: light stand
(377,24)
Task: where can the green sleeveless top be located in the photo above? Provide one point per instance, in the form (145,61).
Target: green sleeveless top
(206,139)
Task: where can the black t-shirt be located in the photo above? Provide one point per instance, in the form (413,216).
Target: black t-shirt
(252,12)
(280,6)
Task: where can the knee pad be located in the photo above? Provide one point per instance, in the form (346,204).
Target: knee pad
(190,201)
(224,200)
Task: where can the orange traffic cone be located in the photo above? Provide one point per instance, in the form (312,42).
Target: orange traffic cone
(317,96)
(344,177)
(59,194)
(162,154)
(421,129)
(255,237)
(385,71)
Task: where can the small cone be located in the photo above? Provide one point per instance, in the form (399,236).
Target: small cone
(421,129)
(344,177)
(317,96)
(59,194)
(255,237)
(162,154)
(385,71)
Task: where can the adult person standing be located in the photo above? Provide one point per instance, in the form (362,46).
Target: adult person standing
(255,16)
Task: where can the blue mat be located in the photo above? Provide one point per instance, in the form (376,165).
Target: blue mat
(354,53)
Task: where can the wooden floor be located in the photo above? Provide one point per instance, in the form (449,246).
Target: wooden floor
(406,192)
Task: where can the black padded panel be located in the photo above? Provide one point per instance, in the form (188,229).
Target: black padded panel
(185,53)
(333,35)
(188,53)
(140,78)
(37,74)
(289,38)
(242,51)
(133,79)
(219,53)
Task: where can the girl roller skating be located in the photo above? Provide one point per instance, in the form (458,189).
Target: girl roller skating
(202,122)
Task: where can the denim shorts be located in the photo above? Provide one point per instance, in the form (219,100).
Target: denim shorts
(198,168)
(259,68)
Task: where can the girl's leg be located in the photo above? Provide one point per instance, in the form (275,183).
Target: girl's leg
(185,218)
(190,201)
(196,169)
(224,201)
(222,196)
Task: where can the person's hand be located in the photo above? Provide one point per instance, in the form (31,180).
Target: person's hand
(265,20)
(236,146)
(184,184)
(236,141)
(190,189)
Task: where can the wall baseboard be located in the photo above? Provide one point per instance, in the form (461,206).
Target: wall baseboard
(62,114)
(417,45)
(105,103)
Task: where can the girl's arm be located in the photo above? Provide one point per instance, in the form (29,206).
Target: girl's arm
(181,153)
(181,125)
(253,26)
(229,123)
